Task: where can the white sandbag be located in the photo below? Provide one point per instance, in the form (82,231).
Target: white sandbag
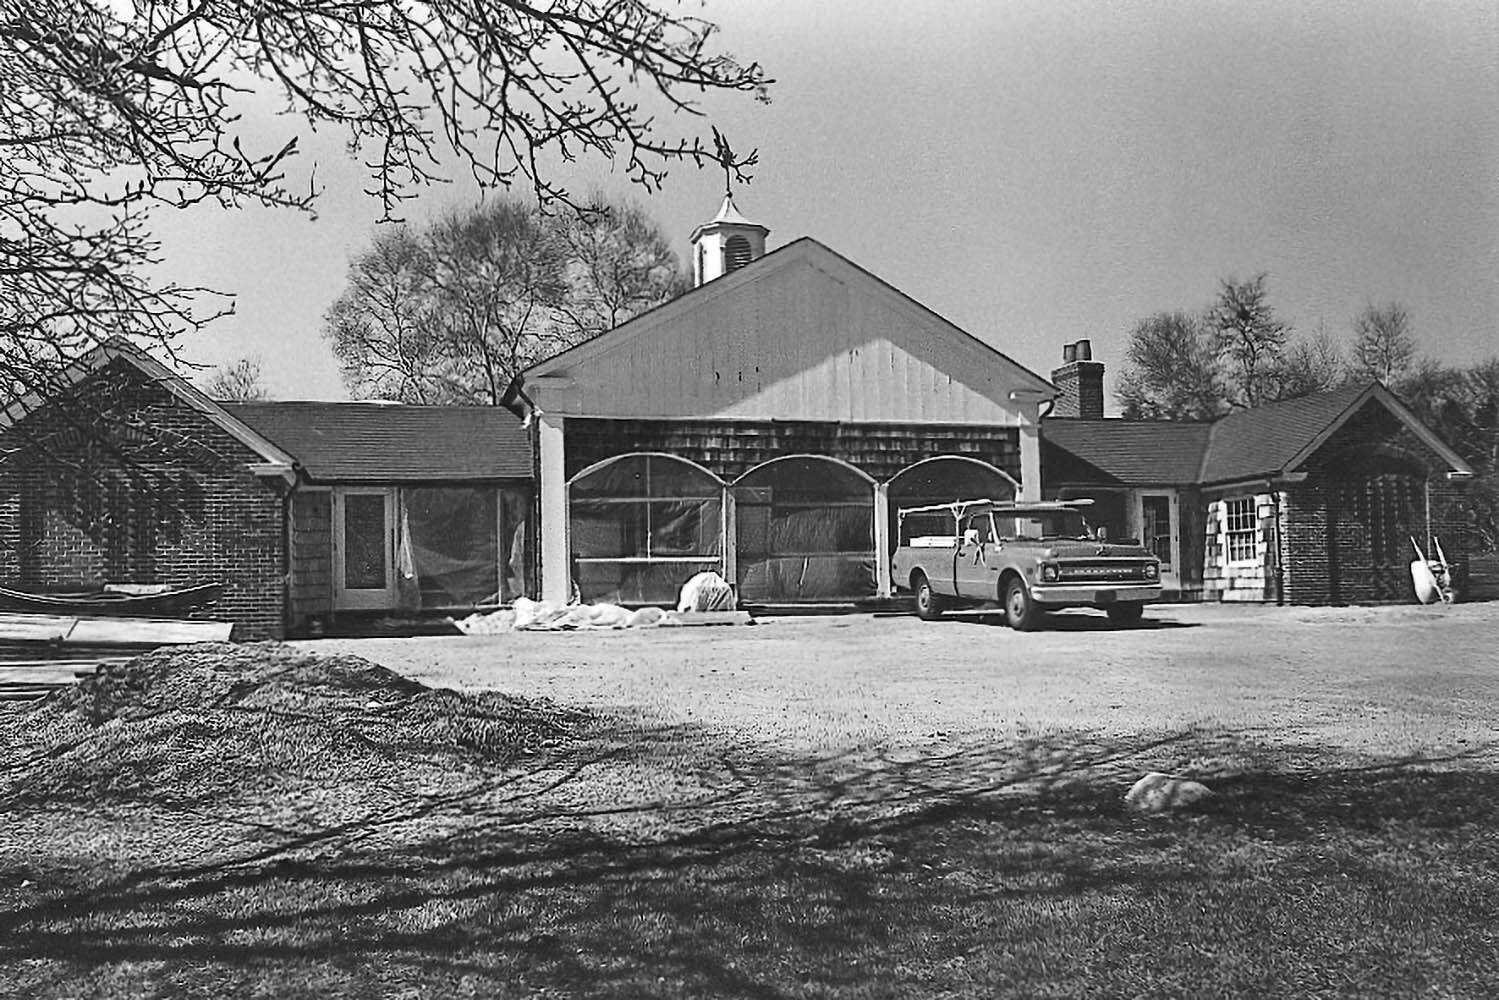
(494,623)
(646,618)
(608,616)
(706,592)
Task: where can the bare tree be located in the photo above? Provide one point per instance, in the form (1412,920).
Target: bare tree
(452,313)
(381,328)
(1171,370)
(238,382)
(1383,347)
(618,263)
(105,117)
(1309,365)
(1250,340)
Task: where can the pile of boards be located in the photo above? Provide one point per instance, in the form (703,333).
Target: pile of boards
(40,652)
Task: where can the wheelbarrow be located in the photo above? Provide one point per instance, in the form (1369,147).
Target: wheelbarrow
(1432,577)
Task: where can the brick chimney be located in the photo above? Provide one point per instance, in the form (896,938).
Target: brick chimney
(1081,380)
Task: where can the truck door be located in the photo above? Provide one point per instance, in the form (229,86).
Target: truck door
(977,570)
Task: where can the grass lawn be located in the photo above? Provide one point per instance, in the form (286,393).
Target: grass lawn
(328,837)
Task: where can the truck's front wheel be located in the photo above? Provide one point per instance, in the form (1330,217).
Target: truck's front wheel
(1021,612)
(928,608)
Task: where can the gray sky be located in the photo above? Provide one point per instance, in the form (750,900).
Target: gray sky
(1035,171)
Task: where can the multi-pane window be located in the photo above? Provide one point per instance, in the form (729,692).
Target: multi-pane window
(1243,527)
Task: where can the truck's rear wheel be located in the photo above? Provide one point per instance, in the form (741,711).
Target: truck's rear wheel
(1021,612)
(928,606)
(1125,612)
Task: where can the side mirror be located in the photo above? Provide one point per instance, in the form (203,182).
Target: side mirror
(1101,532)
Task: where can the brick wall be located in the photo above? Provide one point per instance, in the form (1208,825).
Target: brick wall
(1348,527)
(730,449)
(119,481)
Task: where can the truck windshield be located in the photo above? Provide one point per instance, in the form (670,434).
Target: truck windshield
(1044,524)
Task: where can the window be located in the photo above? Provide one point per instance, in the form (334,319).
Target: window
(1243,527)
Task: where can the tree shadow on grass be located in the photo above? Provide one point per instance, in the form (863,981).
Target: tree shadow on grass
(873,871)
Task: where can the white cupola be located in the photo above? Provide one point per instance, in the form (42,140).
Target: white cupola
(725,243)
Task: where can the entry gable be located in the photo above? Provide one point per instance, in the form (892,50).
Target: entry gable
(274,462)
(801,333)
(1279,438)
(1379,394)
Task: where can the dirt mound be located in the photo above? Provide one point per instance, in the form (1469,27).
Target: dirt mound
(215,721)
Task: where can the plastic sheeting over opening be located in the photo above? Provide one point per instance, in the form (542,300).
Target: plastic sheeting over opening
(461,546)
(641,526)
(805,532)
(943,480)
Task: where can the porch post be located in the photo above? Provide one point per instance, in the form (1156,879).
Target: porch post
(556,575)
(1030,461)
(882,540)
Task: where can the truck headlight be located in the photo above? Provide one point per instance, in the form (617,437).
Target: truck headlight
(1049,572)
(1152,571)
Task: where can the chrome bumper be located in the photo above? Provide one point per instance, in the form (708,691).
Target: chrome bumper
(1075,593)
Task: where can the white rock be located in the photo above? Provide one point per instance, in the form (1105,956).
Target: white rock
(1160,793)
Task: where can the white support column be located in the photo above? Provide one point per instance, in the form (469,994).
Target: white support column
(730,541)
(1030,461)
(556,572)
(882,540)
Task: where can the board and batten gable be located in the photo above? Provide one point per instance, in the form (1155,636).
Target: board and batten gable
(801,334)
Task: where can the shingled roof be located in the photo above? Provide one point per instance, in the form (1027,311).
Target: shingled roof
(1122,452)
(1268,440)
(388,442)
(1264,440)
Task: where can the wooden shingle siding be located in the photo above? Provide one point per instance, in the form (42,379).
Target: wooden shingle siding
(311,591)
(730,449)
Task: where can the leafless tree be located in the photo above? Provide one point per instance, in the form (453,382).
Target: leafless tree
(238,382)
(1308,365)
(1383,347)
(1171,370)
(1250,339)
(452,313)
(107,116)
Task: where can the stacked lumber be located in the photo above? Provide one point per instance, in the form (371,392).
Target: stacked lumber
(42,652)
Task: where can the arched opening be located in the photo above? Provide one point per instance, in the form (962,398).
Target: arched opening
(641,525)
(805,531)
(944,479)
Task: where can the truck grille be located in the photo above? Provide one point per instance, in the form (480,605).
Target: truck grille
(1072,571)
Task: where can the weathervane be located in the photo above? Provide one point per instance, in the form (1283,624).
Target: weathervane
(731,164)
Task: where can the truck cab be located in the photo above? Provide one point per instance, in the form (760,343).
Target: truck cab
(1025,557)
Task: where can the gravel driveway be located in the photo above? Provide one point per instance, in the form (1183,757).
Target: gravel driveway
(1381,681)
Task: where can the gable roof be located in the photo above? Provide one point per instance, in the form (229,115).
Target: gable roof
(1123,452)
(392,442)
(275,461)
(803,248)
(1269,440)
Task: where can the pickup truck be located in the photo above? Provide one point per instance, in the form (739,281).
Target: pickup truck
(1026,557)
